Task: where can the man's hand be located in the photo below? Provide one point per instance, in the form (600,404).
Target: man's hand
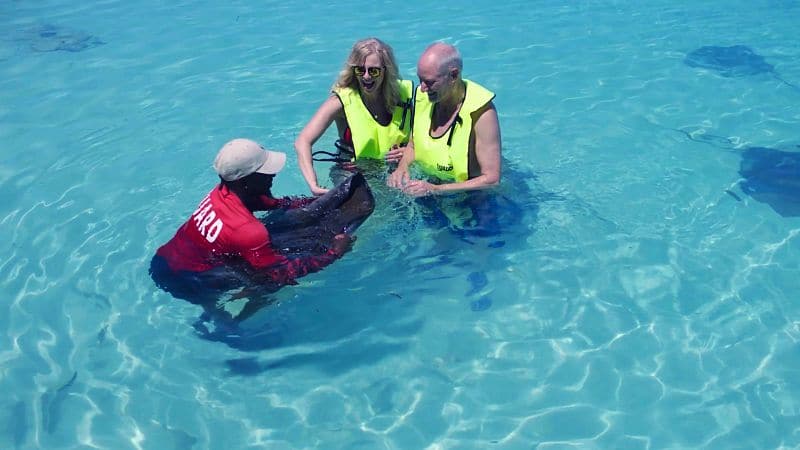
(418,188)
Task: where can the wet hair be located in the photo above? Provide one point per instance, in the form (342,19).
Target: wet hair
(390,90)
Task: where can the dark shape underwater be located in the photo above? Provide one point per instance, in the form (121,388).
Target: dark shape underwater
(53,38)
(493,214)
(733,61)
(773,177)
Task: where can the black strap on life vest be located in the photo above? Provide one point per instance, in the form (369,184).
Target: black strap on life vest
(452,129)
(406,105)
(345,154)
(408,108)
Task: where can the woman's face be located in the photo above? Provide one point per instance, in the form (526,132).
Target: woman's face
(370,75)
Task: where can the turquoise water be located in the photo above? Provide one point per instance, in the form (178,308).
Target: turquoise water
(645,300)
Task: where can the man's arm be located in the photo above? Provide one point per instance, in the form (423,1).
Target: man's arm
(269,203)
(277,268)
(284,271)
(486,130)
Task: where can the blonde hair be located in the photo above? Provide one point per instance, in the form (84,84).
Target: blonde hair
(390,89)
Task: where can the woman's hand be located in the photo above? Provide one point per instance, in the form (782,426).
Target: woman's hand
(398,178)
(317,191)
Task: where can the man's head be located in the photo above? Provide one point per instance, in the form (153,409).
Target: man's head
(247,169)
(242,157)
(439,70)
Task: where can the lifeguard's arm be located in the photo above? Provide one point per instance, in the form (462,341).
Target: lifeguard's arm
(270,203)
(487,151)
(285,271)
(400,176)
(320,121)
(277,268)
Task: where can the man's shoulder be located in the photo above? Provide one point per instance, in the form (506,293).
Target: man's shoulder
(489,106)
(477,95)
(485,113)
(229,207)
(239,222)
(249,235)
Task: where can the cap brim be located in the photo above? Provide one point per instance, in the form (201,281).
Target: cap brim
(274,163)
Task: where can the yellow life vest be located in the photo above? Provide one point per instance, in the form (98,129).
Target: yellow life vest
(446,157)
(371,139)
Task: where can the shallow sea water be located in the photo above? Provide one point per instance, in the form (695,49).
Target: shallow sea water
(644,301)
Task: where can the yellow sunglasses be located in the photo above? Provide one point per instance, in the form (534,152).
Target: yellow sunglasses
(374,72)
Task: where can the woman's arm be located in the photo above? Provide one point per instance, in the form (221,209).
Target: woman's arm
(330,110)
(400,176)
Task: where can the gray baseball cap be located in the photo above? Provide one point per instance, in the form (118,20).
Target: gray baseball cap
(242,157)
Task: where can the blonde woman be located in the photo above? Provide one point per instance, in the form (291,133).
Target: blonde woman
(371,106)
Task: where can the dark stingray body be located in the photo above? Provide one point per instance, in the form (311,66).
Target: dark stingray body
(773,177)
(310,230)
(733,61)
(737,60)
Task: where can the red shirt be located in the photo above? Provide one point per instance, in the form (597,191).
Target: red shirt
(222,228)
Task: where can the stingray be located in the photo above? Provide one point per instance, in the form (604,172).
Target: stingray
(773,177)
(310,230)
(53,38)
(733,61)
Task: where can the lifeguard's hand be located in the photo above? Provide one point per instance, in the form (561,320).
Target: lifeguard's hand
(394,155)
(398,178)
(342,243)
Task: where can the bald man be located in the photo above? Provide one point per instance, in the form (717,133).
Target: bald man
(456,134)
